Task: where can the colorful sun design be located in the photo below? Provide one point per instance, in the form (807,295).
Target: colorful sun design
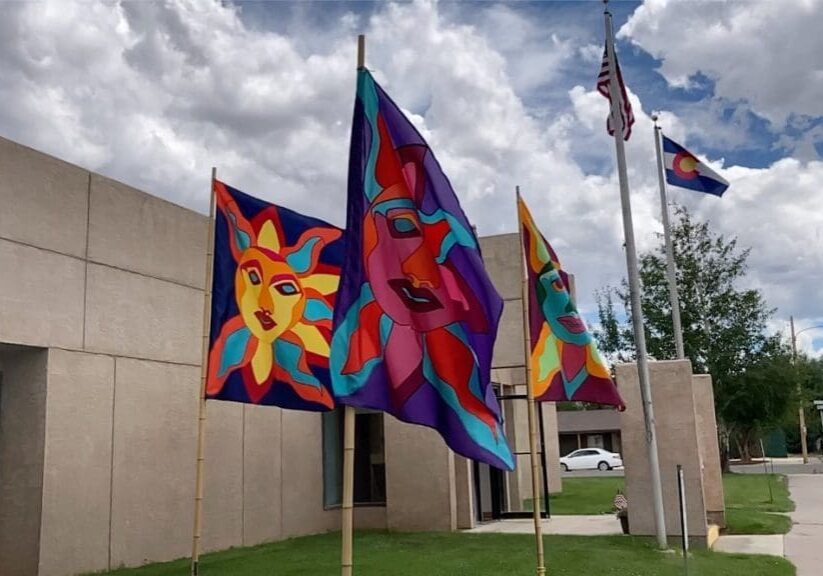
(285,298)
(418,315)
(565,362)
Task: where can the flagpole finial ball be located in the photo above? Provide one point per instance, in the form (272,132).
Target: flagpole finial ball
(654,117)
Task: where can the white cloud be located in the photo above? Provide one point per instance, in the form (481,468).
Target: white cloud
(155,94)
(764,53)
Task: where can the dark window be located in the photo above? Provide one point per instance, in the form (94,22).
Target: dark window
(332,458)
(369,462)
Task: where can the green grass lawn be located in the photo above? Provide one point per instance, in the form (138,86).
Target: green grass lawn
(448,554)
(749,509)
(586,495)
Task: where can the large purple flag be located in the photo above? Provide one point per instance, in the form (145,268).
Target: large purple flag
(416,314)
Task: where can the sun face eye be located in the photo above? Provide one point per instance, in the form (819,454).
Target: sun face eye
(254,277)
(404,227)
(287,288)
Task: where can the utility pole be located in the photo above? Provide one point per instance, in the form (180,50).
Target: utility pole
(801,412)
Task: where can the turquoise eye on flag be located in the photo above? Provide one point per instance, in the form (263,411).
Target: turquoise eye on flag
(287,288)
(683,169)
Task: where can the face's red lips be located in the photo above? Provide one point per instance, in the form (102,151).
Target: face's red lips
(265,319)
(417,299)
(572,323)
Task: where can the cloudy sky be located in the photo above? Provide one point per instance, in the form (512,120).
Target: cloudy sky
(154,94)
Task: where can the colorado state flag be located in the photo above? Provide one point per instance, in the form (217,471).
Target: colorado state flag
(685,170)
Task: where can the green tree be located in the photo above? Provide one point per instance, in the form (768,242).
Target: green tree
(759,399)
(810,374)
(724,324)
(613,339)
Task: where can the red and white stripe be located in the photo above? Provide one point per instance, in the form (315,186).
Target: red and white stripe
(603,81)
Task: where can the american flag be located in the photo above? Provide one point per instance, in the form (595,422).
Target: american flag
(603,82)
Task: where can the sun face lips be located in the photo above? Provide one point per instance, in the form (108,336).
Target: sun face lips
(417,299)
(572,323)
(265,319)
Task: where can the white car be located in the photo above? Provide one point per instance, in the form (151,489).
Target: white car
(591,459)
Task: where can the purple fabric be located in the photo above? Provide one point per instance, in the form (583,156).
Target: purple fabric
(416,315)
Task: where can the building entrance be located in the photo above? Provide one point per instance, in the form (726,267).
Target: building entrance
(500,494)
(22,432)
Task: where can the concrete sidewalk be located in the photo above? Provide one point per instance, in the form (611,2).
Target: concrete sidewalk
(768,544)
(804,544)
(601,525)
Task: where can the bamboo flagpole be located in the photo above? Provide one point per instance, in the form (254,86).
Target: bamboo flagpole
(347,521)
(616,101)
(204,370)
(347,528)
(535,461)
(671,272)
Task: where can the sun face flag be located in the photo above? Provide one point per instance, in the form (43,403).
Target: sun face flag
(416,316)
(565,362)
(603,83)
(685,170)
(275,282)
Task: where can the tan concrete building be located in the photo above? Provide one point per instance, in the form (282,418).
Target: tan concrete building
(101,297)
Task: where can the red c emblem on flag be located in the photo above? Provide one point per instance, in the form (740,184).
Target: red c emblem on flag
(685,165)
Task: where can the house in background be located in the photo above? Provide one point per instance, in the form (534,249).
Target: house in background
(588,429)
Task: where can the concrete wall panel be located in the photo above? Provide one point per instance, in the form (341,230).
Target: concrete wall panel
(508,348)
(420,479)
(552,439)
(75,533)
(677,442)
(132,230)
(22,435)
(302,446)
(155,437)
(709,449)
(262,475)
(44,200)
(41,297)
(464,492)
(132,315)
(223,476)
(365,518)
(501,256)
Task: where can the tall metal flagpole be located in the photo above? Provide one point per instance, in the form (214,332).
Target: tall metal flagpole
(535,462)
(204,370)
(347,522)
(634,286)
(667,233)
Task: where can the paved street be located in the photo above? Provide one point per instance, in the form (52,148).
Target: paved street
(783,466)
(792,465)
(593,473)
